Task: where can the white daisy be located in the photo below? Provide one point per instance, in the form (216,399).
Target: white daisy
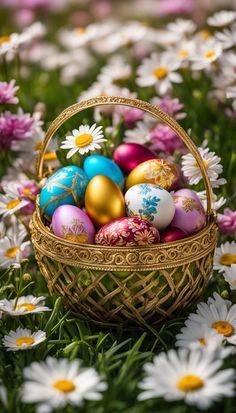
(10,202)
(227,38)
(194,335)
(81,36)
(140,134)
(159,71)
(182,27)
(225,255)
(205,54)
(212,163)
(116,71)
(11,43)
(217,203)
(23,305)
(222,18)
(13,248)
(193,376)
(53,384)
(184,50)
(23,339)
(230,276)
(86,138)
(218,314)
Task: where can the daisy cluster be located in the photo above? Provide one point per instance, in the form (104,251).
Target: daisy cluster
(180,56)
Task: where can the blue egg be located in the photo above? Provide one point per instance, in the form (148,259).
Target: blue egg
(66,186)
(100,165)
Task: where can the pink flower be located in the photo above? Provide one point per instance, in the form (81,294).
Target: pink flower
(170,106)
(7,92)
(15,127)
(175,6)
(227,222)
(28,191)
(130,115)
(164,139)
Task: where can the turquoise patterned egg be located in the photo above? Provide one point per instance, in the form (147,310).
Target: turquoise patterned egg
(66,186)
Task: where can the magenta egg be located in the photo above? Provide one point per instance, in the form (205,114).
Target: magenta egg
(127,231)
(129,155)
(172,234)
(73,224)
(189,215)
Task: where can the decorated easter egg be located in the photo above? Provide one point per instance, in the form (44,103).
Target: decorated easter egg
(66,186)
(189,213)
(151,203)
(172,234)
(129,155)
(188,193)
(104,200)
(127,232)
(73,224)
(155,171)
(101,165)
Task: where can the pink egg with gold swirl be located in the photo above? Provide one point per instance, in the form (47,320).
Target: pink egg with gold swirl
(129,155)
(73,224)
(127,231)
(189,215)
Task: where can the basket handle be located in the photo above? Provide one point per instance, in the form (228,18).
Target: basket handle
(136,103)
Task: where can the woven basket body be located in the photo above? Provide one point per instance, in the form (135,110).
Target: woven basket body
(115,284)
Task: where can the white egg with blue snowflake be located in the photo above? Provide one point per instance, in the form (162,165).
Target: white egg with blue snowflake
(66,186)
(152,203)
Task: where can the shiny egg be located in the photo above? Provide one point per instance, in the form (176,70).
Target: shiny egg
(189,215)
(104,200)
(151,203)
(127,231)
(101,165)
(155,171)
(66,186)
(129,155)
(172,234)
(73,224)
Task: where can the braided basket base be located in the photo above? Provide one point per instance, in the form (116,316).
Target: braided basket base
(107,296)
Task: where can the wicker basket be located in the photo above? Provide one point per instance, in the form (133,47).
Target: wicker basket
(114,284)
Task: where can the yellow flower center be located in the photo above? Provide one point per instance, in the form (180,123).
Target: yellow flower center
(209,54)
(202,341)
(26,306)
(80,30)
(11,252)
(160,72)
(25,340)
(64,386)
(38,146)
(228,259)
(205,34)
(83,140)
(189,382)
(26,191)
(183,53)
(13,204)
(223,327)
(4,39)
(50,156)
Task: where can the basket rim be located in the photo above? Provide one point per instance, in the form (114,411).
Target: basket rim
(157,246)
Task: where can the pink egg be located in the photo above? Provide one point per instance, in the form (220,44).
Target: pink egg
(172,234)
(127,231)
(189,213)
(73,224)
(129,155)
(187,193)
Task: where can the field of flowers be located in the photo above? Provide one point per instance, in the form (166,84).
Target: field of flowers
(178,55)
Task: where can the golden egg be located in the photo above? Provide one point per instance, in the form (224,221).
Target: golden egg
(104,200)
(155,171)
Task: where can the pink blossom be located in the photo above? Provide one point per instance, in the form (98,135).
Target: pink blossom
(28,191)
(164,139)
(170,106)
(174,6)
(130,115)
(15,127)
(7,92)
(35,4)
(227,222)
